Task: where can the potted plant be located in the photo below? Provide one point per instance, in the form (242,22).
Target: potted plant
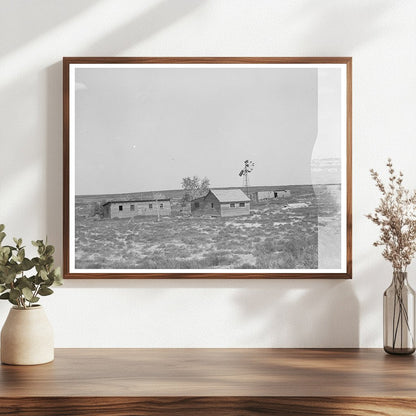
(396,217)
(27,336)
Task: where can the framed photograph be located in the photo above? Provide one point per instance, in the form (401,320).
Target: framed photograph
(207,168)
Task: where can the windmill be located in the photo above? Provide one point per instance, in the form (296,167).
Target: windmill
(248,168)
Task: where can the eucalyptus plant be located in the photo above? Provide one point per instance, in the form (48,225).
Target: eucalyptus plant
(24,280)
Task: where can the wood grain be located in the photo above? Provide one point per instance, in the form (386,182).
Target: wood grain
(206,60)
(212,381)
(207,406)
(214,372)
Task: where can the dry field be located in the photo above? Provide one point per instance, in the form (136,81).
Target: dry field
(280,234)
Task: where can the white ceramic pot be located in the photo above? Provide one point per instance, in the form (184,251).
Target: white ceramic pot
(27,337)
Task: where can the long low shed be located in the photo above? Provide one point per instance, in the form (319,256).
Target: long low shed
(142,207)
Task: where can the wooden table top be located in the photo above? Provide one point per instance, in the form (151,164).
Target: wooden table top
(214,372)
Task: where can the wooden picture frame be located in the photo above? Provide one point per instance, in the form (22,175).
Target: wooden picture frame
(276,133)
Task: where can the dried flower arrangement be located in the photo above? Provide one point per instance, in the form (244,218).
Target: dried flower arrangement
(396,217)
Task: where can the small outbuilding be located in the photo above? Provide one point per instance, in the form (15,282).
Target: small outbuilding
(280,193)
(142,207)
(222,202)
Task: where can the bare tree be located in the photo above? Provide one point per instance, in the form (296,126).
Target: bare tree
(194,187)
(97,209)
(158,196)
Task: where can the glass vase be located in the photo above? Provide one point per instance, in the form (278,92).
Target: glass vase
(399,316)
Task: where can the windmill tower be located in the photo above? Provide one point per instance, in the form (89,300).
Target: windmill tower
(248,168)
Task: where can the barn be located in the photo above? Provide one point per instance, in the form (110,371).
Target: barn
(141,207)
(222,202)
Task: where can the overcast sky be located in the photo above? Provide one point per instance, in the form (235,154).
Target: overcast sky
(144,129)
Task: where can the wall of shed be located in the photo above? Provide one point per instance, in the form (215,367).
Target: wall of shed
(205,207)
(141,209)
(265,195)
(107,211)
(282,194)
(227,211)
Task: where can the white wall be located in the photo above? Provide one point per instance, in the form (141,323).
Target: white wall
(380,35)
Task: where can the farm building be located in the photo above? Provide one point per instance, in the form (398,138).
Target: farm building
(222,202)
(129,209)
(263,195)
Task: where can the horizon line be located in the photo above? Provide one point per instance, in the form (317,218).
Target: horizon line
(216,187)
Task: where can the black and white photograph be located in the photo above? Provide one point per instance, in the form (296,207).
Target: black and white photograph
(187,168)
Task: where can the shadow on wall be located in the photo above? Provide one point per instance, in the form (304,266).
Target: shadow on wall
(4,311)
(156,18)
(301,313)
(36,17)
(54,148)
(375,277)
(140,28)
(339,34)
(262,313)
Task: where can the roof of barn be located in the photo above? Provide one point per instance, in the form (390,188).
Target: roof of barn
(230,195)
(137,200)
